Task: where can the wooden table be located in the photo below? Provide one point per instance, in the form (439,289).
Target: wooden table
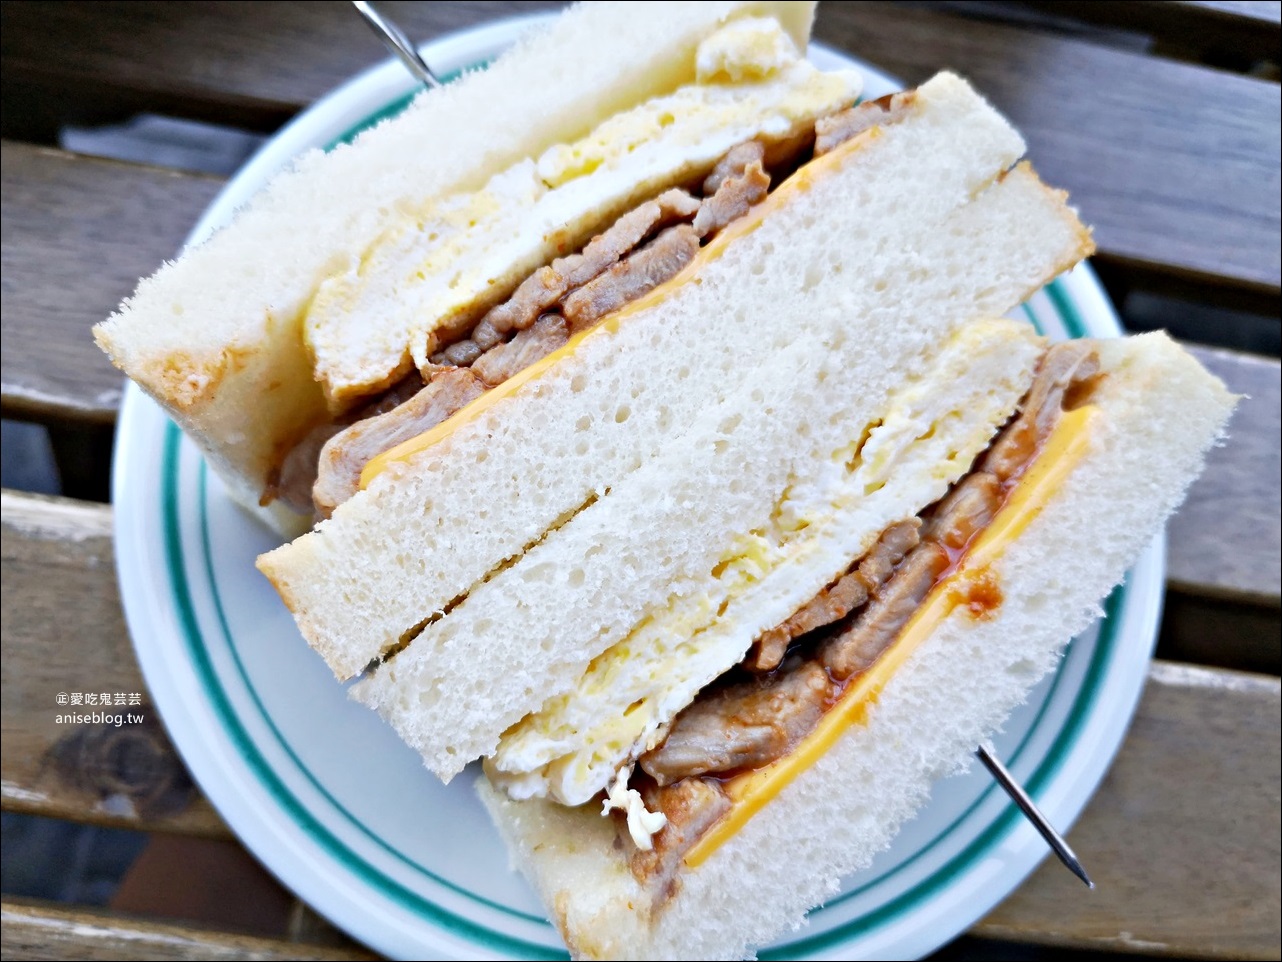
(1161,118)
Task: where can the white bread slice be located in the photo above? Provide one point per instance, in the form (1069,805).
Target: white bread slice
(1161,412)
(215,335)
(837,236)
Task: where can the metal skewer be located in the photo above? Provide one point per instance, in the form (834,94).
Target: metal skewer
(399,44)
(1044,828)
(396,41)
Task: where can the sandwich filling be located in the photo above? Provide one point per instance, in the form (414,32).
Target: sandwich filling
(632,255)
(814,673)
(435,270)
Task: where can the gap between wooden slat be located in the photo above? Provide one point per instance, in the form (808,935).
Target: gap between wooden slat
(34,930)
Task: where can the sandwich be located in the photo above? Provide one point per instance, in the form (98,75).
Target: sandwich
(672,454)
(327,299)
(795,766)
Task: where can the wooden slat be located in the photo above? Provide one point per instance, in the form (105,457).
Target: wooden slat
(1168,160)
(1244,30)
(77,234)
(1182,840)
(41,931)
(1226,541)
(62,631)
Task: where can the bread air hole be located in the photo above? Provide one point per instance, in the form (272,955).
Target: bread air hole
(813,277)
(1026,671)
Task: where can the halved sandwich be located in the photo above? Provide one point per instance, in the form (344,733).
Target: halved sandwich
(808,751)
(340,290)
(724,734)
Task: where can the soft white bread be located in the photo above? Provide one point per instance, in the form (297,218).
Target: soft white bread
(653,541)
(901,208)
(1159,413)
(215,336)
(732,535)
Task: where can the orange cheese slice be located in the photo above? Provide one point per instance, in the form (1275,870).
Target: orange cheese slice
(973,577)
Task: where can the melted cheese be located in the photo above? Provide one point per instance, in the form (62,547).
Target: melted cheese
(799,182)
(974,575)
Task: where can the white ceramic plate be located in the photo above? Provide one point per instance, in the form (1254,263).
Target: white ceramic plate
(344,813)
